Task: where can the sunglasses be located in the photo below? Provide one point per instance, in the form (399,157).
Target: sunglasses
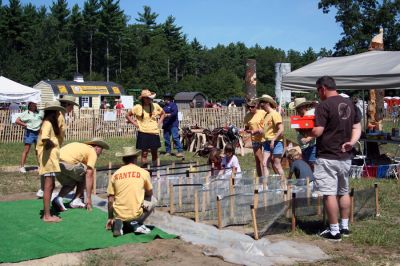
(251,106)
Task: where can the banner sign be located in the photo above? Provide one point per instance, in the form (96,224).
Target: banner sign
(89,90)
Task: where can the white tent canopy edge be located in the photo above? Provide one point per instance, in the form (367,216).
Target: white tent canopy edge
(11,91)
(369,70)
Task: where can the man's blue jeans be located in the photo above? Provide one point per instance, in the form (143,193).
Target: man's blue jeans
(174,131)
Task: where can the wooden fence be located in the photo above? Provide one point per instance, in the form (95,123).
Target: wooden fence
(88,123)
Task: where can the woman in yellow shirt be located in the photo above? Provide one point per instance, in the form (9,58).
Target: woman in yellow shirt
(254,124)
(145,116)
(273,134)
(48,152)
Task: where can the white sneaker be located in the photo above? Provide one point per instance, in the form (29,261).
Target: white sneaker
(143,230)
(39,193)
(22,170)
(58,203)
(77,203)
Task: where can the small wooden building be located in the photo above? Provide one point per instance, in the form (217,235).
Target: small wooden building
(89,94)
(185,99)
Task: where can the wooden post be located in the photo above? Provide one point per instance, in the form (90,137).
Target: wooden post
(255,199)
(167,171)
(253,217)
(219,212)
(171,199)
(180,192)
(377,211)
(196,206)
(352,205)
(250,79)
(231,197)
(293,212)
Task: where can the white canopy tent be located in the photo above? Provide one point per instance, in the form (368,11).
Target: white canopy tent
(369,70)
(11,91)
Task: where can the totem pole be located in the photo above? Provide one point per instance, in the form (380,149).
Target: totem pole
(251,79)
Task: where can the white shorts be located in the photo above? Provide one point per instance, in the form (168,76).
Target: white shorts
(332,176)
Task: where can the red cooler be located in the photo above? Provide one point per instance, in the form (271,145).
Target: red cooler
(302,122)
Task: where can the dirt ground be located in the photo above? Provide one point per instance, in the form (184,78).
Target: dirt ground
(178,252)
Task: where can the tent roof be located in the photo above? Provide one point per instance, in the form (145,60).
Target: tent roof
(187,96)
(369,70)
(11,91)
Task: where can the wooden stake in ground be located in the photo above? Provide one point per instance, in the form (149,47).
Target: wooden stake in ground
(352,205)
(293,212)
(171,199)
(94,182)
(180,192)
(196,206)
(308,191)
(377,211)
(253,217)
(219,211)
(255,199)
(319,205)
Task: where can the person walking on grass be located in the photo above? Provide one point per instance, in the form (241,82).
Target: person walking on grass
(337,129)
(31,120)
(144,117)
(254,125)
(77,164)
(273,134)
(171,126)
(130,196)
(48,152)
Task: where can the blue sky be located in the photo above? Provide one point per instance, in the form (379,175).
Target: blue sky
(285,24)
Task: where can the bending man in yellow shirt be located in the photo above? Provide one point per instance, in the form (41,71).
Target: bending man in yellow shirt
(77,164)
(130,193)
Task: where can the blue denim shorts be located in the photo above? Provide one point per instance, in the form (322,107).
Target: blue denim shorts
(278,147)
(31,136)
(309,154)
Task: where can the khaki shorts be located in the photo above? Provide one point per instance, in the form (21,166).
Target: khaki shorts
(332,176)
(71,173)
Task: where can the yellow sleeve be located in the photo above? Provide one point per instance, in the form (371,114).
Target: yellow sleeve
(110,188)
(277,118)
(45,131)
(136,110)
(147,183)
(91,158)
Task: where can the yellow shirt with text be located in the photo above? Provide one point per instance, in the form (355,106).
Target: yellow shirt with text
(255,122)
(128,185)
(147,123)
(76,152)
(271,122)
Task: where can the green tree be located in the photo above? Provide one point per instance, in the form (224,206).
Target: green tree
(360,21)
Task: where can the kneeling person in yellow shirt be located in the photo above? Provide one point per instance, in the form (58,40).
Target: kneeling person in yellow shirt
(130,196)
(77,164)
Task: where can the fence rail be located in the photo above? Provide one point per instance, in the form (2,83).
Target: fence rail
(89,123)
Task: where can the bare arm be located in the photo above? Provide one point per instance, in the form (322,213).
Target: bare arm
(279,132)
(89,188)
(19,122)
(317,131)
(355,136)
(128,117)
(162,116)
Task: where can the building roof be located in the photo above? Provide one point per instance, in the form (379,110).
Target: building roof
(188,96)
(64,87)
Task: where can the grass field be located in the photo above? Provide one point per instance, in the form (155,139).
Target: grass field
(375,234)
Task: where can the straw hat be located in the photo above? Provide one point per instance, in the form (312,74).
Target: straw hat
(268,99)
(251,102)
(54,106)
(98,142)
(298,102)
(127,151)
(147,94)
(68,99)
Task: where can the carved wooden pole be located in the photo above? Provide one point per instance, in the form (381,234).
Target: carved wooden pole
(251,79)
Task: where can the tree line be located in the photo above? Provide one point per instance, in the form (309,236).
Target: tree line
(101,42)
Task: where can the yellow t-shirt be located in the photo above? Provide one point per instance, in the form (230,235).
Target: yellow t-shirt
(271,122)
(146,123)
(128,185)
(76,152)
(255,122)
(48,159)
(61,125)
